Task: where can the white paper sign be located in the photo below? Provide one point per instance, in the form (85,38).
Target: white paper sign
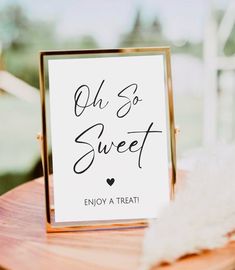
(109,137)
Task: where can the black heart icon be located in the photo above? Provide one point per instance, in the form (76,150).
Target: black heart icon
(110,181)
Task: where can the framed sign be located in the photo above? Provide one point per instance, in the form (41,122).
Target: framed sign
(108,122)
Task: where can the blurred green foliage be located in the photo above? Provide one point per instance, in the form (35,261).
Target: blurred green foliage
(229,48)
(150,34)
(230,44)
(22,39)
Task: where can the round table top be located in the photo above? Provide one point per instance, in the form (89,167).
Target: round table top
(26,245)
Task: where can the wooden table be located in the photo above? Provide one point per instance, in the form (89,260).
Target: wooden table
(25,245)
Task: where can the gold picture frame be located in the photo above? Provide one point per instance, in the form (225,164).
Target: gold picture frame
(51,225)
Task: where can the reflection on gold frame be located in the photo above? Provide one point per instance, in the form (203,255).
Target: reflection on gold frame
(51,226)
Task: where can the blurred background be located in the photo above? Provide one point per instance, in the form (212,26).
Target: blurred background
(202,38)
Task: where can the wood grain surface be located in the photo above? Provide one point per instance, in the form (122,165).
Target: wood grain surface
(24,243)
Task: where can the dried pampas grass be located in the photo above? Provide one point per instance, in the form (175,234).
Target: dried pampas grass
(202,214)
